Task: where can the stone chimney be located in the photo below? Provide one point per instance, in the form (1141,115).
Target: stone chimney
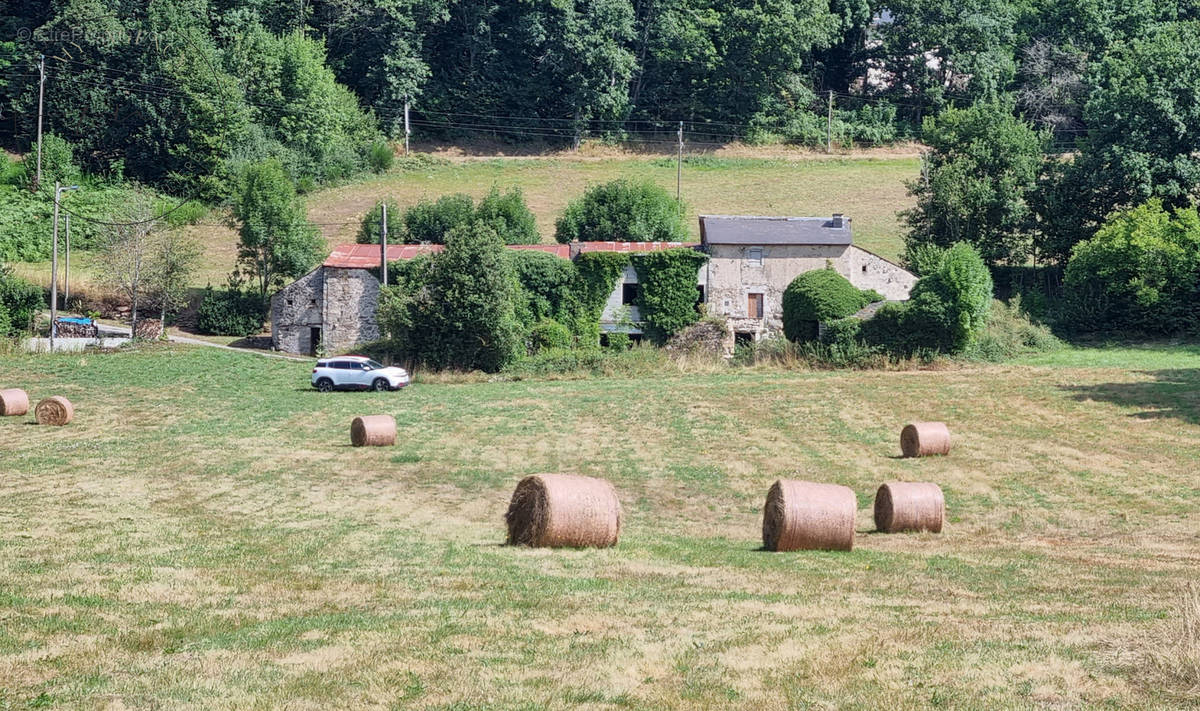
(839,220)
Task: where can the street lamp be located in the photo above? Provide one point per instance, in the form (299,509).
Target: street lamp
(58,191)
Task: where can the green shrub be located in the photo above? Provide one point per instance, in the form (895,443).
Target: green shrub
(229,312)
(817,296)
(1010,333)
(842,331)
(1139,273)
(549,334)
(619,341)
(951,305)
(509,216)
(20,302)
(380,157)
(623,211)
(547,287)
(428,222)
(667,292)
(370,228)
(922,259)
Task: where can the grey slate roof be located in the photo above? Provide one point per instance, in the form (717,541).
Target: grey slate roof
(742,229)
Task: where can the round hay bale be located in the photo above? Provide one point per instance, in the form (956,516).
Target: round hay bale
(13,401)
(54,410)
(805,515)
(373,431)
(909,506)
(924,439)
(563,510)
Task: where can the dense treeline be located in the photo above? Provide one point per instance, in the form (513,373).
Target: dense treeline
(174,91)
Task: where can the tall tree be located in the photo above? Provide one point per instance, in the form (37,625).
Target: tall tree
(276,242)
(1143,140)
(978,174)
(126,253)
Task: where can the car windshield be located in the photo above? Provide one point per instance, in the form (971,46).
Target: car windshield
(373,365)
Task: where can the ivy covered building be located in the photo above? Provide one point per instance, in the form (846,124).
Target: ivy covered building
(751,262)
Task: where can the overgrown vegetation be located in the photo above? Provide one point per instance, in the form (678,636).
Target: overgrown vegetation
(622,211)
(667,295)
(817,296)
(20,302)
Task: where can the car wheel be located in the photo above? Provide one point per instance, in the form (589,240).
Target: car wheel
(325,385)
(379,385)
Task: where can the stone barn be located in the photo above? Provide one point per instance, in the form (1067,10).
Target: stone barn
(753,259)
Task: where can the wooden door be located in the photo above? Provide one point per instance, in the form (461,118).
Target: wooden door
(754,306)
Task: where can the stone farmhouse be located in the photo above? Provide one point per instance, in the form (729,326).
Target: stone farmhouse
(751,262)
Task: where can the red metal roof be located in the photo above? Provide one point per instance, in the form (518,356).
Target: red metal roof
(632,246)
(366,256)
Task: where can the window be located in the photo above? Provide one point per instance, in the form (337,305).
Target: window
(754,306)
(743,338)
(312,302)
(289,302)
(629,293)
(699,293)
(755,257)
(864,269)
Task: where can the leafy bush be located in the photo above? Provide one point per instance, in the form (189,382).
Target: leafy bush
(428,222)
(817,296)
(460,314)
(1010,333)
(549,334)
(229,312)
(667,290)
(955,299)
(369,232)
(622,211)
(1139,273)
(842,331)
(922,259)
(380,157)
(948,309)
(547,287)
(509,216)
(20,302)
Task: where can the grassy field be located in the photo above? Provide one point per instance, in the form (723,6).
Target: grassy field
(870,190)
(202,536)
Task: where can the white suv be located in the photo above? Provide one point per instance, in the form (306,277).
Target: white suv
(356,373)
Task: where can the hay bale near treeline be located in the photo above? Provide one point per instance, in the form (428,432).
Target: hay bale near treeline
(806,515)
(373,431)
(13,401)
(909,506)
(925,439)
(564,510)
(55,410)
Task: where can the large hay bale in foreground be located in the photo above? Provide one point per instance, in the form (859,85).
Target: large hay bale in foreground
(13,401)
(54,410)
(564,510)
(924,439)
(373,431)
(909,506)
(806,515)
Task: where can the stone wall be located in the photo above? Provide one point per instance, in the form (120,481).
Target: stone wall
(351,298)
(295,310)
(870,271)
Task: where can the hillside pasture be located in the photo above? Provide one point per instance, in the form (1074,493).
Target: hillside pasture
(203,536)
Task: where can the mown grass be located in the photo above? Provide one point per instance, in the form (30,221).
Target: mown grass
(202,536)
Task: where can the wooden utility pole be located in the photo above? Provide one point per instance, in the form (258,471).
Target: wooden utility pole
(67,271)
(54,271)
(829,125)
(383,244)
(37,183)
(407,128)
(679,169)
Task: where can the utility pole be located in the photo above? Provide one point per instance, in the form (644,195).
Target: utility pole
(37,183)
(679,169)
(54,264)
(829,126)
(407,129)
(67,271)
(383,244)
